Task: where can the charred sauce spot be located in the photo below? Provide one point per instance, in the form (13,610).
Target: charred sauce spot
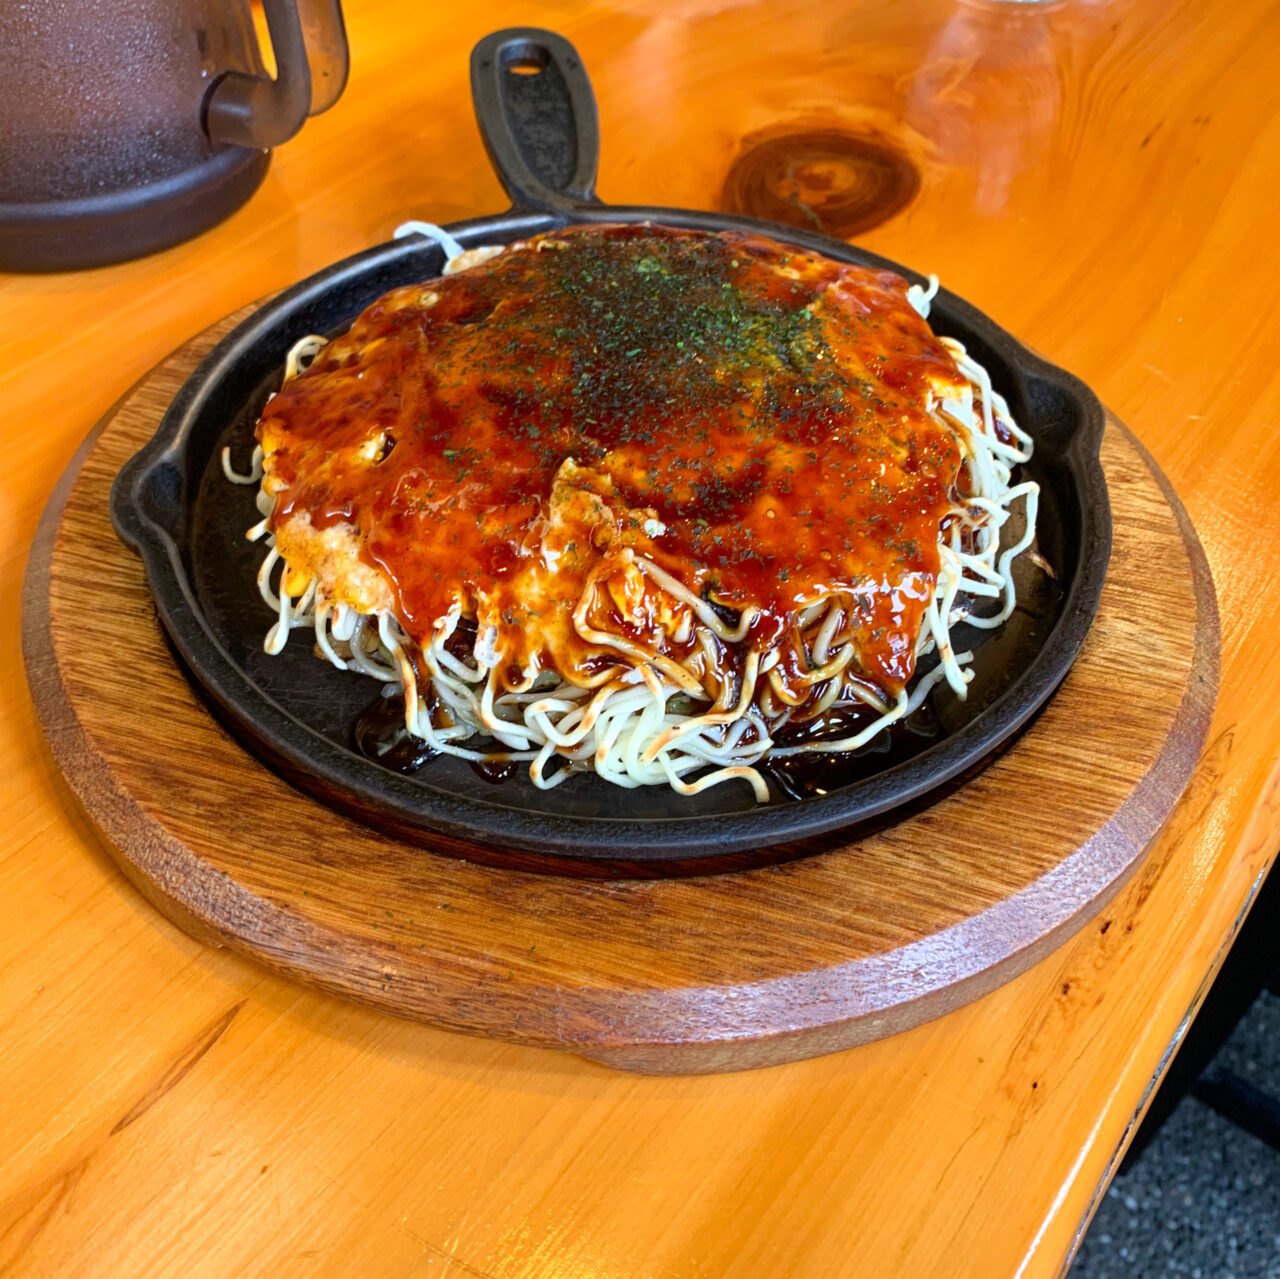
(380,735)
(729,616)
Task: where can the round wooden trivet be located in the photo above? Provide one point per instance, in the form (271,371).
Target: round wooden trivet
(696,973)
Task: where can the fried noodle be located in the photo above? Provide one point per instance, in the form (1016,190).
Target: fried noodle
(645,718)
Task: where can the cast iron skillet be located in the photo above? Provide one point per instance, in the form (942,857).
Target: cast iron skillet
(172,504)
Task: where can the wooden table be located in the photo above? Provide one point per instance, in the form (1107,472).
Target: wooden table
(1098,177)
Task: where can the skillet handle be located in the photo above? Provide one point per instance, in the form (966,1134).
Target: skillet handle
(537,115)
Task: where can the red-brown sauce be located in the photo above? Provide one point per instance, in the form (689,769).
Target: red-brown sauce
(764,405)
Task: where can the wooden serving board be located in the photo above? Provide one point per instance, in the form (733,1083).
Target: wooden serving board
(691,973)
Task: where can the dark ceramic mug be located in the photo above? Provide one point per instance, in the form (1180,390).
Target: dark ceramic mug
(129,125)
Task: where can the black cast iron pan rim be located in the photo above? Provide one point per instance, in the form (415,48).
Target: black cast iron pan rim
(370,790)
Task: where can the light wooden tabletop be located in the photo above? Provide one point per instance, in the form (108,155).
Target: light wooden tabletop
(1100,178)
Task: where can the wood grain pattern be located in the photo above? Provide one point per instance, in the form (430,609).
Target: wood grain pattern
(1099,177)
(667,975)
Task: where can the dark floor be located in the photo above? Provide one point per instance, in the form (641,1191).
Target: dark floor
(1204,1198)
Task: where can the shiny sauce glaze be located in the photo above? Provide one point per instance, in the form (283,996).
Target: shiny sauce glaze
(749,417)
(379,734)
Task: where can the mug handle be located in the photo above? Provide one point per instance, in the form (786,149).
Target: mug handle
(256,111)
